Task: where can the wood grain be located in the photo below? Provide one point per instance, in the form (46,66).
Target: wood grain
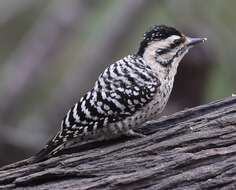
(192,149)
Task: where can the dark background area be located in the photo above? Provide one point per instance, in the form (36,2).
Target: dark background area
(51,52)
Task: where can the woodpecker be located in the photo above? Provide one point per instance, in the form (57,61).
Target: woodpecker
(128,93)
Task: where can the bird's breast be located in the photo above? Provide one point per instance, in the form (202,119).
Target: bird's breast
(160,100)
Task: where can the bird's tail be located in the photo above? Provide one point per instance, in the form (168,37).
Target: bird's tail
(52,147)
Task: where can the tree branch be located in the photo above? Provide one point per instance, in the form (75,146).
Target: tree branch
(192,149)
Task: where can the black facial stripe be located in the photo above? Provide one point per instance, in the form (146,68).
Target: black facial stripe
(163,51)
(168,62)
(174,45)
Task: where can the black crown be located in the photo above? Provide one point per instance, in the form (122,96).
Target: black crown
(157,32)
(160,32)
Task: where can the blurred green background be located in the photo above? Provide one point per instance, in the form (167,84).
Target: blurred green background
(51,52)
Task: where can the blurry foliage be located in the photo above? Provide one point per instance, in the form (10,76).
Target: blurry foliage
(212,19)
(12,31)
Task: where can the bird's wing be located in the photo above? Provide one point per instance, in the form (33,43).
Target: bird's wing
(121,90)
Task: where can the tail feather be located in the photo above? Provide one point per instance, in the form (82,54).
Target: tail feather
(52,147)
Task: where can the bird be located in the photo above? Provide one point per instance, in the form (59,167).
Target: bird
(128,93)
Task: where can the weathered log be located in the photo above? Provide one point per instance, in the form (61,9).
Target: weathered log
(192,149)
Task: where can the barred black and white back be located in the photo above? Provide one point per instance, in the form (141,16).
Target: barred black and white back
(128,93)
(106,111)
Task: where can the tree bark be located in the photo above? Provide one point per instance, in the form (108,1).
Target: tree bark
(192,149)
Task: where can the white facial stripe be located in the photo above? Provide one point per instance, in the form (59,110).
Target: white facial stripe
(166,42)
(172,38)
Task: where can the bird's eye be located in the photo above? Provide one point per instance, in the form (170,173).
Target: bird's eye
(178,41)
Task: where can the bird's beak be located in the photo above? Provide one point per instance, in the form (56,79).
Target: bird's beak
(193,41)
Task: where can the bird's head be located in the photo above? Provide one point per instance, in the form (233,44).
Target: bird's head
(166,45)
